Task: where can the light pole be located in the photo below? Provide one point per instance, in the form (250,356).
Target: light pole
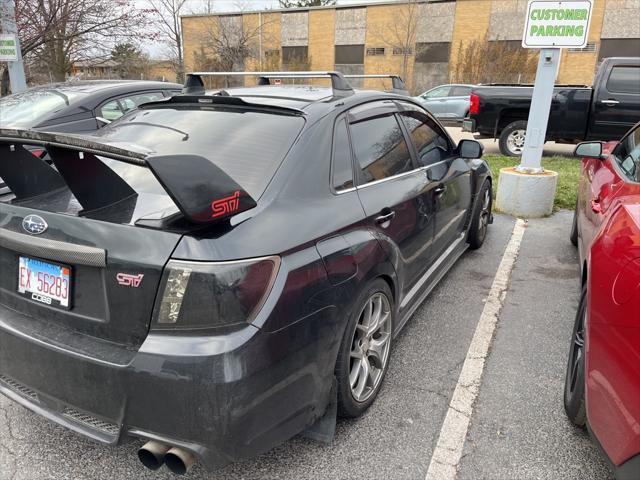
(9,28)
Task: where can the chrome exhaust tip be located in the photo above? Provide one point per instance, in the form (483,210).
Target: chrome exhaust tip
(152,454)
(179,461)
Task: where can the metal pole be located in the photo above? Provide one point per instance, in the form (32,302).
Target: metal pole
(539,113)
(16,69)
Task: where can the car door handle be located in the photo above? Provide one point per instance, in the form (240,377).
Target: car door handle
(387,217)
(610,103)
(440,189)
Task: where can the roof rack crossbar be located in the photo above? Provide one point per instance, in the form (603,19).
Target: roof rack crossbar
(397,84)
(194,84)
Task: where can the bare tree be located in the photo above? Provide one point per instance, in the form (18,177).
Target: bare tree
(168,15)
(228,42)
(54,33)
(502,62)
(401,34)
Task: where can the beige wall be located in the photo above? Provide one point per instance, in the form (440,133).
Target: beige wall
(578,68)
(473,20)
(384,22)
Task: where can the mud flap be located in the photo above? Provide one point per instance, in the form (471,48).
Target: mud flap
(325,427)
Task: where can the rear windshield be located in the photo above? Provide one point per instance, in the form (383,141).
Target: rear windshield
(27,109)
(247,145)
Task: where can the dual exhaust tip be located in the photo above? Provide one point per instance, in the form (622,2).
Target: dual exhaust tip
(154,454)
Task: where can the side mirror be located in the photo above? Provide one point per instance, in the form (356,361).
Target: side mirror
(470,149)
(589,149)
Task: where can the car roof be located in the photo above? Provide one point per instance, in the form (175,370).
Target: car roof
(115,86)
(313,100)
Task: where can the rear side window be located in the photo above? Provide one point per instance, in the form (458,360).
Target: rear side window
(248,145)
(431,146)
(460,91)
(342,165)
(438,92)
(380,148)
(624,80)
(627,154)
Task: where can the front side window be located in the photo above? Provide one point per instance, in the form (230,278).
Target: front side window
(627,155)
(431,145)
(380,148)
(342,165)
(624,80)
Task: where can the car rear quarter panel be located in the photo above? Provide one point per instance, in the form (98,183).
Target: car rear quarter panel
(613,333)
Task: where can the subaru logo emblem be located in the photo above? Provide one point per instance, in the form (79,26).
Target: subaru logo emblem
(34,224)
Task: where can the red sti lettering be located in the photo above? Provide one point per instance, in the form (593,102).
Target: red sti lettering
(226,205)
(127,280)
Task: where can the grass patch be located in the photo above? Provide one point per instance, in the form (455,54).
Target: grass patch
(568,175)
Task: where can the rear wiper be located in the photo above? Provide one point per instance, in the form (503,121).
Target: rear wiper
(184,139)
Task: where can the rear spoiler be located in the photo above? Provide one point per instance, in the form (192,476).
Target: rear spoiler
(202,191)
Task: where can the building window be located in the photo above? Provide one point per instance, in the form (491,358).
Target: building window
(402,51)
(433,52)
(295,55)
(375,52)
(619,47)
(349,54)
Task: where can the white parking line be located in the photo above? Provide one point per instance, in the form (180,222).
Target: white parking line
(448,451)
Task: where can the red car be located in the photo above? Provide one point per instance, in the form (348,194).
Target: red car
(602,387)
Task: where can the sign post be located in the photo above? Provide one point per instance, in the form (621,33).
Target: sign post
(10,46)
(550,26)
(528,190)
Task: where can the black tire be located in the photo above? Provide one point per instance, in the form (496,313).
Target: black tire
(348,405)
(573,236)
(512,128)
(574,384)
(480,217)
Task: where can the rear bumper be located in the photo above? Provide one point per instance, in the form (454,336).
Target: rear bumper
(468,125)
(223,398)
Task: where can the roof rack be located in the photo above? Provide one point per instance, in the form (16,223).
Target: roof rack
(194,84)
(397,84)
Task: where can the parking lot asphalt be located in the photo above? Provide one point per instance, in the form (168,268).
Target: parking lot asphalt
(518,430)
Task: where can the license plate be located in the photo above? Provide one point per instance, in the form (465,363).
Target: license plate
(44,282)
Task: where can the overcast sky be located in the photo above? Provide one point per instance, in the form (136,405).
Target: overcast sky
(156,50)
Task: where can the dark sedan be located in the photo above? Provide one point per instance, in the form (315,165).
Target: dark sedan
(78,107)
(221,271)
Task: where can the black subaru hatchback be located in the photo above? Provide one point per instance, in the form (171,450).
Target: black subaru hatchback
(216,273)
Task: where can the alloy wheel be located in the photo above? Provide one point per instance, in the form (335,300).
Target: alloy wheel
(576,361)
(485,214)
(370,347)
(515,141)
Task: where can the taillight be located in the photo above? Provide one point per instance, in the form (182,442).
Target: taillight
(474,104)
(201,295)
(37,153)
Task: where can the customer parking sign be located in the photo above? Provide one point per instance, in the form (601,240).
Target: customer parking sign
(552,24)
(8,48)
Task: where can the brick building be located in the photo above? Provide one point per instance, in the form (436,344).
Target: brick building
(371,38)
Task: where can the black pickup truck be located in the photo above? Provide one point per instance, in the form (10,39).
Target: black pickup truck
(602,112)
